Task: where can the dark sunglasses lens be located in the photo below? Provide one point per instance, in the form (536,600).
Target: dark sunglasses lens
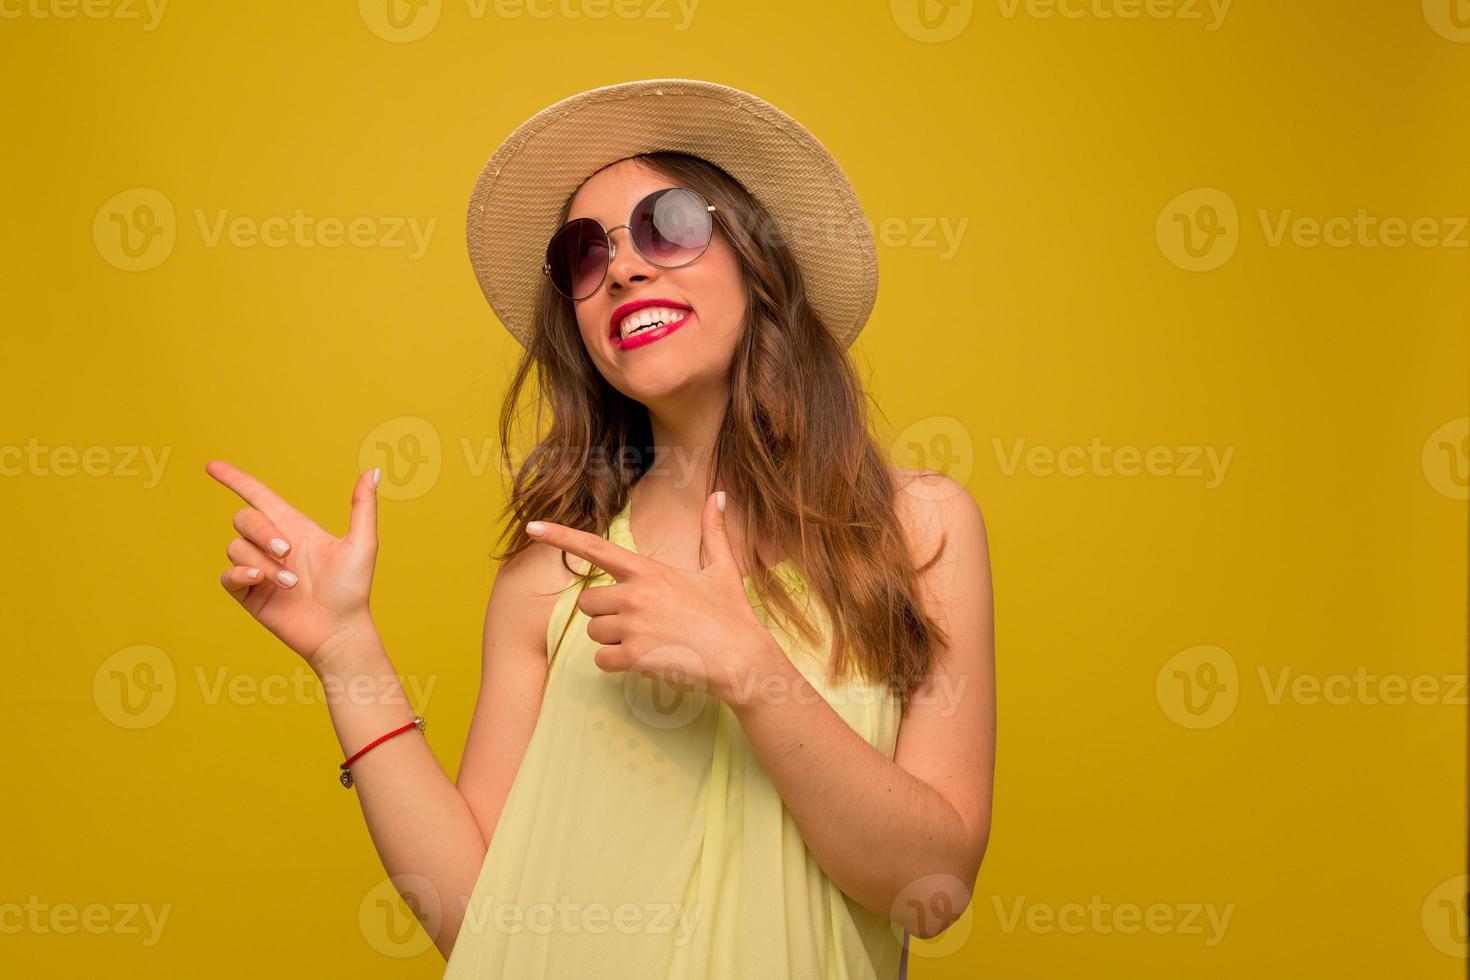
(671,227)
(578,258)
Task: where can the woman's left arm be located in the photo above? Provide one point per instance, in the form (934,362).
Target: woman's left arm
(902,837)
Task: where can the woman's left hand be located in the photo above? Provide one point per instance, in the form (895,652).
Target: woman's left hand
(692,629)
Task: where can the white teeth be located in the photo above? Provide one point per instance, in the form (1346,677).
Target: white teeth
(648,316)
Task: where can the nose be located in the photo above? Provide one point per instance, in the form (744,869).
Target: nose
(625,265)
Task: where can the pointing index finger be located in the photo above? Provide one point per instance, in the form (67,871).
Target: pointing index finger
(607,555)
(251,490)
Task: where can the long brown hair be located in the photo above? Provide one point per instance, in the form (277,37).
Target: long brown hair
(794,448)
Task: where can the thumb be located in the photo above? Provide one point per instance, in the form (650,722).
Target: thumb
(714,546)
(362,528)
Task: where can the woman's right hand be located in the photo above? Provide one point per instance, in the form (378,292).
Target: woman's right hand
(315,594)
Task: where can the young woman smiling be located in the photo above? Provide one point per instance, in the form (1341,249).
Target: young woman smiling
(737,714)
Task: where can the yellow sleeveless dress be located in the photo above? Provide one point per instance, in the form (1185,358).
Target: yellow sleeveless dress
(643,840)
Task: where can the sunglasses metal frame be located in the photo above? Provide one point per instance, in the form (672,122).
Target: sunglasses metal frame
(612,247)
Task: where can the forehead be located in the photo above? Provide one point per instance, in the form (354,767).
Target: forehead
(610,194)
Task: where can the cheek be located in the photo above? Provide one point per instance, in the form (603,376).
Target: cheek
(724,284)
(588,325)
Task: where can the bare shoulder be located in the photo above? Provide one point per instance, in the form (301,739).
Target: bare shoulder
(933,507)
(526,588)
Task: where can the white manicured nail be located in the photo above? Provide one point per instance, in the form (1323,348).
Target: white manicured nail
(252,573)
(279,546)
(285,577)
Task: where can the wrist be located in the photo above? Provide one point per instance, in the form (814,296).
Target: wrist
(349,649)
(762,669)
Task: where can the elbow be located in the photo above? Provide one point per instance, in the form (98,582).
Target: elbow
(932,903)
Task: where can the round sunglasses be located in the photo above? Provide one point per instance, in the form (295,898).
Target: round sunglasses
(668,228)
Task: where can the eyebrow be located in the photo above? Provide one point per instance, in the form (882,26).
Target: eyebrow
(573,216)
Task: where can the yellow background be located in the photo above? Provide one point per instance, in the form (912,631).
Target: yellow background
(1072,151)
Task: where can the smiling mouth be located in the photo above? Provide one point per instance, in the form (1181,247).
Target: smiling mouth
(649,318)
(643,336)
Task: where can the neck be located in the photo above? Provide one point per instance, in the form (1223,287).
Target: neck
(671,495)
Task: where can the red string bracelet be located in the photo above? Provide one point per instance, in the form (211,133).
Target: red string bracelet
(347,773)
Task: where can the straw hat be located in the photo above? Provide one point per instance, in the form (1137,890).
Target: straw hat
(516,200)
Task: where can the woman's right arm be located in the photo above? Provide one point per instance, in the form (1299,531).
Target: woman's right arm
(423,825)
(315,599)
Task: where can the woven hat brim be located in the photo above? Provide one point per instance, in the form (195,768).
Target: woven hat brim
(516,199)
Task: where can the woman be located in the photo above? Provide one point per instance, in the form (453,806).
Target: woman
(745,732)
